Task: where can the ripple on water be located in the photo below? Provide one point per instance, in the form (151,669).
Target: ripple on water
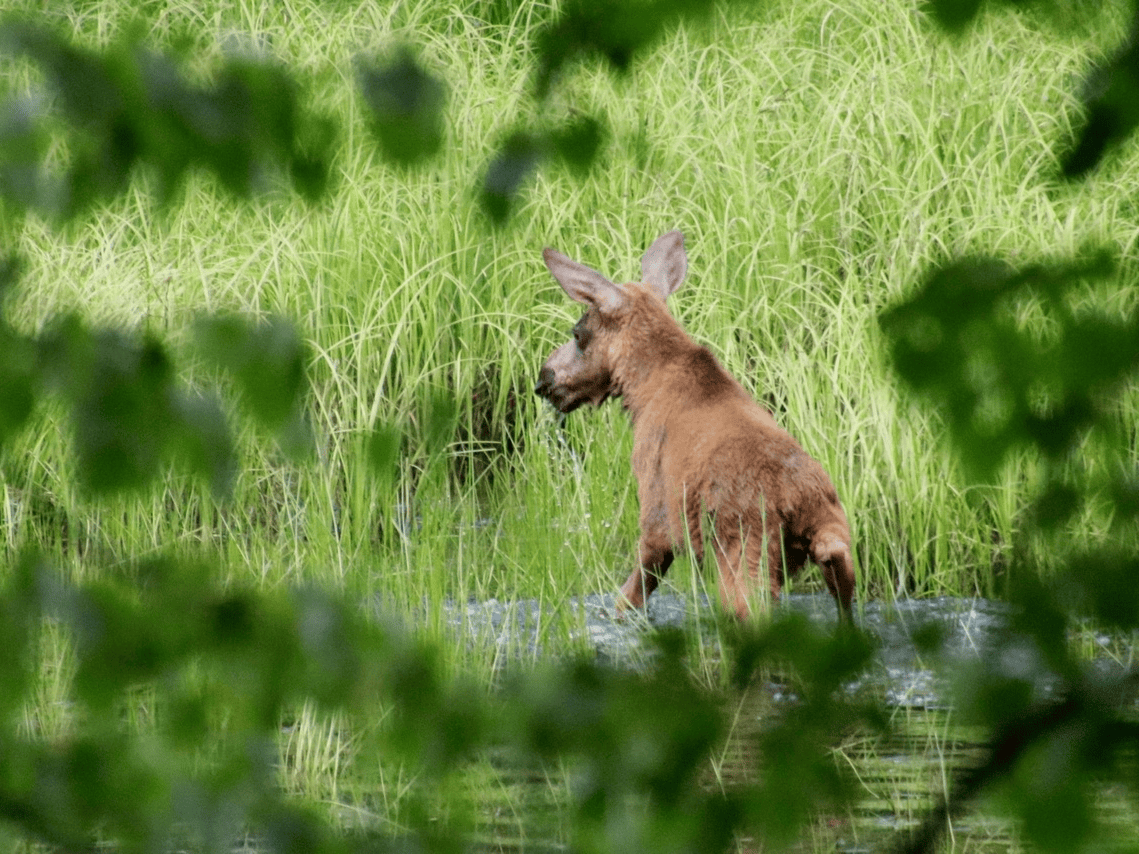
(519,630)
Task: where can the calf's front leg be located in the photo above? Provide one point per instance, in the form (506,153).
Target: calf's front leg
(656,557)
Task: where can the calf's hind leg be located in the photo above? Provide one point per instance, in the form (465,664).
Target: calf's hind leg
(735,583)
(742,554)
(832,555)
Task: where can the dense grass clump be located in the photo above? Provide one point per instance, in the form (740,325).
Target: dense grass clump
(818,158)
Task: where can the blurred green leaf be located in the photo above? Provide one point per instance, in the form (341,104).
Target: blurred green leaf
(267,362)
(121,392)
(20,615)
(615,31)
(1001,386)
(383,444)
(954,16)
(1110,107)
(23,145)
(579,142)
(125,107)
(1099,584)
(18,367)
(203,439)
(129,415)
(439,420)
(17,382)
(511,166)
(406,104)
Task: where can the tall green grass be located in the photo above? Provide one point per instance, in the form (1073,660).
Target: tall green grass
(818,156)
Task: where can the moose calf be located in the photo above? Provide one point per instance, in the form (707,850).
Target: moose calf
(710,462)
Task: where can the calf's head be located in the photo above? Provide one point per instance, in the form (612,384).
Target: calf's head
(582,370)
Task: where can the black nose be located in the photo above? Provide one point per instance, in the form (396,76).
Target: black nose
(545,382)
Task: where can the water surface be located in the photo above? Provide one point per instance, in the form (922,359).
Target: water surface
(901,775)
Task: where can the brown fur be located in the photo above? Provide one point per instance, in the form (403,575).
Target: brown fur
(710,462)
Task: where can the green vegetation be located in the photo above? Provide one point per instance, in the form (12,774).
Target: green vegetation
(818,159)
(821,159)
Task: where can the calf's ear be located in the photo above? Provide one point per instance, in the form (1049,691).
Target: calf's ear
(665,263)
(582,283)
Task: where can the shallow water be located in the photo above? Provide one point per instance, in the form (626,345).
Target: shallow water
(901,775)
(514,631)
